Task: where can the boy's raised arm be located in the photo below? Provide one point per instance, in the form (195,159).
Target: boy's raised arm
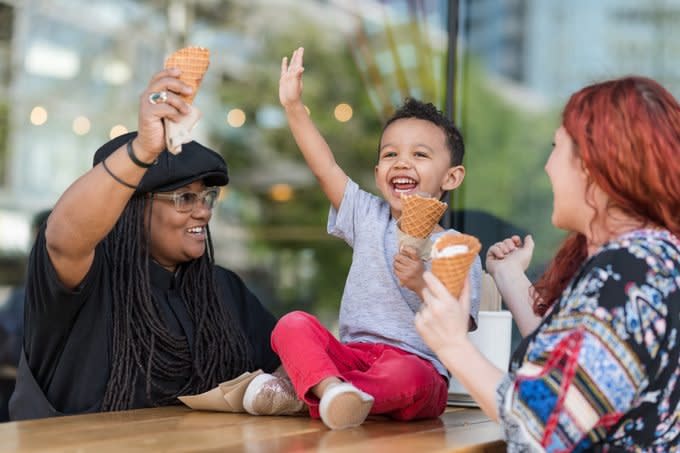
(314,148)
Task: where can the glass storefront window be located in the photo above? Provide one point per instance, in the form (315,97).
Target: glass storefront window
(74,83)
(68,84)
(519,60)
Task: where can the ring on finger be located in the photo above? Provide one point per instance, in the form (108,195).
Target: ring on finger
(158,97)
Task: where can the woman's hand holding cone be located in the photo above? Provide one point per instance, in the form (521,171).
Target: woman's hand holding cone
(150,140)
(442,321)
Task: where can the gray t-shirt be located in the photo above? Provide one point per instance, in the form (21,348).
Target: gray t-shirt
(375,308)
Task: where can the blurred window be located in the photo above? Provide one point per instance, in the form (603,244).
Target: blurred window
(69,84)
(518,61)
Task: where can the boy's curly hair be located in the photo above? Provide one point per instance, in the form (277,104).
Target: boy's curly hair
(413,108)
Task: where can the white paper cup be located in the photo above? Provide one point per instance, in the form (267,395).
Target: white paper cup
(493,339)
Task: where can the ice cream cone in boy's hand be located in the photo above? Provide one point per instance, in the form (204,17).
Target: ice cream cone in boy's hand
(193,63)
(452,256)
(419,215)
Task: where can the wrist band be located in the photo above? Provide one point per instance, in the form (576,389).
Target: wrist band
(116,178)
(133,158)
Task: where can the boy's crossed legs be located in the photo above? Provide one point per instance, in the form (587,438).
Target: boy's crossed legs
(399,384)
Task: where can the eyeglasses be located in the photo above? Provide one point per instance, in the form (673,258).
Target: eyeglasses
(186,201)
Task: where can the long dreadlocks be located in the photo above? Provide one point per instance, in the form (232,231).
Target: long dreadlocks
(141,342)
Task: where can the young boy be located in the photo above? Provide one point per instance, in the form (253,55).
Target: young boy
(381,365)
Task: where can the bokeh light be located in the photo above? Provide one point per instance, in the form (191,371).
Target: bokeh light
(281,192)
(117,130)
(236,118)
(343,112)
(38,115)
(81,125)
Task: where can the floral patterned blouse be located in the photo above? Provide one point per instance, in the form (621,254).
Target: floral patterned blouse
(601,372)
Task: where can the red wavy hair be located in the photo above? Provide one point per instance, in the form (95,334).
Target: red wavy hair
(627,134)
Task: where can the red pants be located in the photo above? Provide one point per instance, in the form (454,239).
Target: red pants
(405,386)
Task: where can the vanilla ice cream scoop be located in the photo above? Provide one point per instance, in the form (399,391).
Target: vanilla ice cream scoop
(452,257)
(451,250)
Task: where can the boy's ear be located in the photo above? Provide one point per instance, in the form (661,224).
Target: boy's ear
(453,178)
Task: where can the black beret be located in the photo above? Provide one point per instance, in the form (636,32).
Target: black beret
(171,171)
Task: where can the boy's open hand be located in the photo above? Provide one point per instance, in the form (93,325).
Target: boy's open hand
(290,84)
(409,268)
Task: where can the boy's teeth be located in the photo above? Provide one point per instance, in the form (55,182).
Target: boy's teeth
(403,184)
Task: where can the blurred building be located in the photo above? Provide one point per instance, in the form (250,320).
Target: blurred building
(495,32)
(579,42)
(71,72)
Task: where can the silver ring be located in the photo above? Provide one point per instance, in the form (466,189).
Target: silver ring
(158,97)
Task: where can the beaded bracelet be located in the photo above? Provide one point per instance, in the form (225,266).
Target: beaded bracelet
(133,157)
(118,180)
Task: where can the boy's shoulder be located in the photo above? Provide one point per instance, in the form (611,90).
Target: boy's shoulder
(363,199)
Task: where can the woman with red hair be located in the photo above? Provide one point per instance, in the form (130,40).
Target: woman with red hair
(599,365)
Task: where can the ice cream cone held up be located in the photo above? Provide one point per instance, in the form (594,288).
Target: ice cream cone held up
(420,214)
(452,257)
(193,63)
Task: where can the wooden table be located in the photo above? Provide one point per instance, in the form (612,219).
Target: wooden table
(181,429)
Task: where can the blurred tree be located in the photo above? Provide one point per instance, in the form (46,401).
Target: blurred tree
(4,125)
(506,148)
(259,156)
(507,145)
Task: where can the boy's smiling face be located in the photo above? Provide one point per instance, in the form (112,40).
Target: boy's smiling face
(414,158)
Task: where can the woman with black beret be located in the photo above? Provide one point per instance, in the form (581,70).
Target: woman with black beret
(125,307)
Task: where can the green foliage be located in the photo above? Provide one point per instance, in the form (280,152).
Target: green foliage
(285,232)
(305,267)
(4,125)
(507,145)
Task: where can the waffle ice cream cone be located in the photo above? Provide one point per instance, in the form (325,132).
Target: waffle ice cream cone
(193,62)
(452,257)
(419,215)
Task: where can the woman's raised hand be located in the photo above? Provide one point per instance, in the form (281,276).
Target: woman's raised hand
(161,99)
(290,83)
(510,253)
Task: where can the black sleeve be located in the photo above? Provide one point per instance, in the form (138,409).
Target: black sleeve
(6,349)
(51,308)
(257,322)
(12,327)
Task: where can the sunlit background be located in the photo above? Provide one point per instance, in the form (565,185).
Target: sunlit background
(71,72)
